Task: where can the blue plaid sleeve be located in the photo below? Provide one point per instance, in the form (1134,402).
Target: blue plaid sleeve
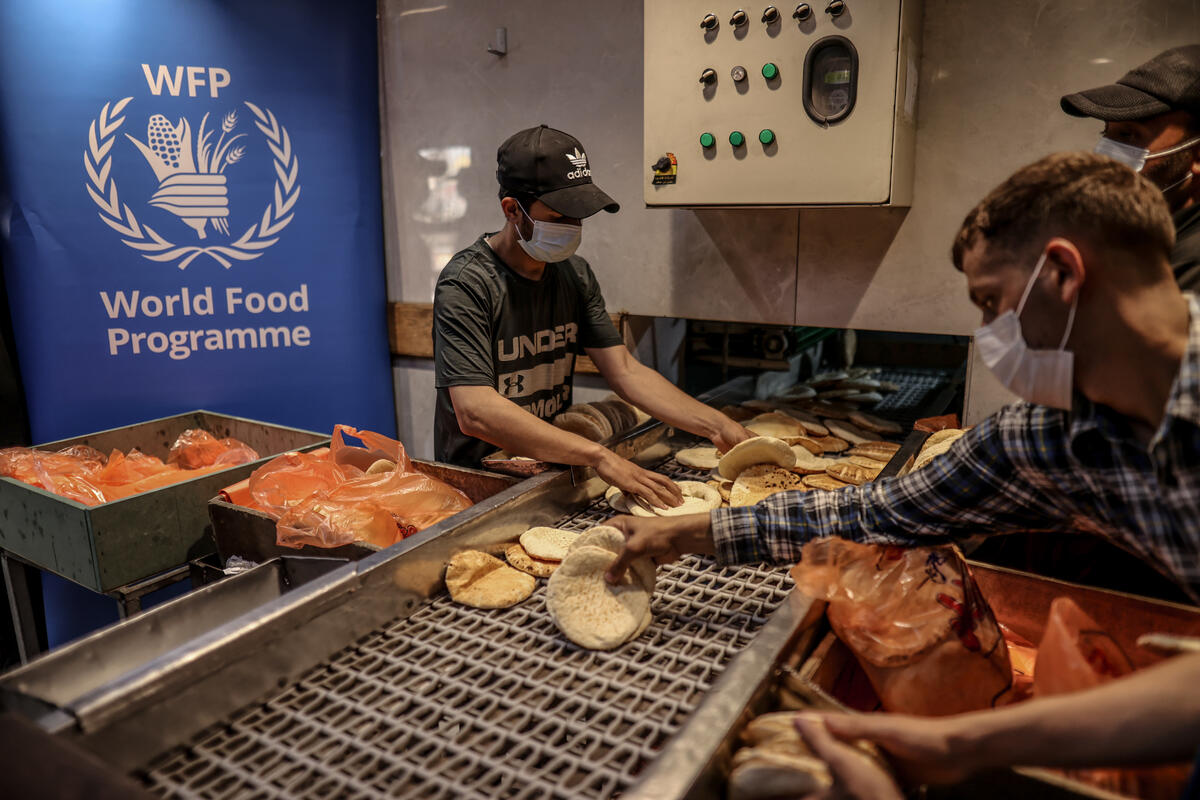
(978,486)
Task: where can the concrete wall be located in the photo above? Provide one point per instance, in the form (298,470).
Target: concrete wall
(990,78)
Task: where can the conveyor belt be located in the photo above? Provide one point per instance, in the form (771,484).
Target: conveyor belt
(457,702)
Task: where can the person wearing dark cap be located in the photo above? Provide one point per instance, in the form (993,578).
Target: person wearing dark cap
(511,313)
(1151,119)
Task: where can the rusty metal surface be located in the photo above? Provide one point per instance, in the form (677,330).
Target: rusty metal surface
(113,544)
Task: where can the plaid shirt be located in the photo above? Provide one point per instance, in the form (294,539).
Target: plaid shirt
(1025,468)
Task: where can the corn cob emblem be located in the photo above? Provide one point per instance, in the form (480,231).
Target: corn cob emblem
(191,185)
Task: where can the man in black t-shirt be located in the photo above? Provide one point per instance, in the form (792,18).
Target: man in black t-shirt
(1151,122)
(512,311)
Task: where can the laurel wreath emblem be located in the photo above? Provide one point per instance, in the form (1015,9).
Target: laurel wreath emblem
(97,160)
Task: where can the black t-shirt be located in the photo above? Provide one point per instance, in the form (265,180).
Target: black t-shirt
(1185,258)
(493,327)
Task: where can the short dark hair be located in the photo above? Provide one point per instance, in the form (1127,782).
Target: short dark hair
(524,198)
(1084,194)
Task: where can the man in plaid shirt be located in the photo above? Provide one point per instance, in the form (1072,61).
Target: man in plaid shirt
(1073,237)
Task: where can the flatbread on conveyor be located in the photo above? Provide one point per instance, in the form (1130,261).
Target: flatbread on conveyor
(832,444)
(606,537)
(589,610)
(698,498)
(479,580)
(759,450)
(877,424)
(760,481)
(548,544)
(781,426)
(826,482)
(853,473)
(809,464)
(812,425)
(849,432)
(879,451)
(698,457)
(517,557)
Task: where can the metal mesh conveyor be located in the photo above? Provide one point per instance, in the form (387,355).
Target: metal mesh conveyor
(456,702)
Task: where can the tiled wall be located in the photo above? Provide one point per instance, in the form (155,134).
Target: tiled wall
(990,78)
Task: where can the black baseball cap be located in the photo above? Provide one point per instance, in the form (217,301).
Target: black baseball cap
(553,167)
(1168,82)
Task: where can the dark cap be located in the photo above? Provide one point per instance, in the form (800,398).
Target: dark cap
(551,166)
(1168,82)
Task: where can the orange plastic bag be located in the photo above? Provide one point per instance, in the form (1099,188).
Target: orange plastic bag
(69,472)
(915,620)
(287,480)
(356,510)
(197,448)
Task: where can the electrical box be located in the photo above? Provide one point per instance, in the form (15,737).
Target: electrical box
(808,104)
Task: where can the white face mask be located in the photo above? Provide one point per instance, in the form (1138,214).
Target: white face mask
(1136,157)
(550,241)
(1043,377)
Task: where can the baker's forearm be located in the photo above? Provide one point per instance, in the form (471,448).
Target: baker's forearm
(658,397)
(1150,716)
(513,429)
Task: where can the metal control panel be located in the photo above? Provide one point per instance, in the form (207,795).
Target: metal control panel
(780,105)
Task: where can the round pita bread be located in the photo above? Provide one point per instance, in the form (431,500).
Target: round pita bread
(853,473)
(606,537)
(698,498)
(597,416)
(832,444)
(698,457)
(826,482)
(812,425)
(759,450)
(809,444)
(760,481)
(380,466)
(479,580)
(516,557)
(876,424)
(809,464)
(548,544)
(778,425)
(655,452)
(581,424)
(614,417)
(879,451)
(948,434)
(847,431)
(828,378)
(864,398)
(588,610)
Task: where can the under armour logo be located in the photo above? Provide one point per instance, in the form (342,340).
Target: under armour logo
(513,384)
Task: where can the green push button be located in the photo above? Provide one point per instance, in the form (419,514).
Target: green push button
(737,139)
(770,71)
(766,136)
(707,140)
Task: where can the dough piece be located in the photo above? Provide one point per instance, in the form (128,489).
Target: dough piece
(832,444)
(548,544)
(852,434)
(617,500)
(761,481)
(606,537)
(759,450)
(698,457)
(582,424)
(826,482)
(781,426)
(479,580)
(539,568)
(589,611)
(380,466)
(597,416)
(853,473)
(877,424)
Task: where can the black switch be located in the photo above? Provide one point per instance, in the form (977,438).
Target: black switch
(708,77)
(836,8)
(770,15)
(709,22)
(802,12)
(662,165)
(739,18)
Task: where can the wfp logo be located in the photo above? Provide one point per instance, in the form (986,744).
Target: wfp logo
(579,160)
(190,167)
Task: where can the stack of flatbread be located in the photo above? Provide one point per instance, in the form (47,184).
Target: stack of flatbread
(602,420)
(481,580)
(589,610)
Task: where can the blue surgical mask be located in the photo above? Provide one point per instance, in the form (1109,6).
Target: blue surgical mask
(1136,157)
(550,241)
(1044,377)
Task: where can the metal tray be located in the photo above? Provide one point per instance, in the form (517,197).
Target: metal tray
(250,533)
(113,544)
(696,763)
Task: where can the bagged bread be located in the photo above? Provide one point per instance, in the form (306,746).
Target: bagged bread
(914,619)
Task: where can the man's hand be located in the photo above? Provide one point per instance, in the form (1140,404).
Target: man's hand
(855,775)
(656,489)
(661,539)
(729,434)
(925,749)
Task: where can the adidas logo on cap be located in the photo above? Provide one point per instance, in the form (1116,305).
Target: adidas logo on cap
(581,165)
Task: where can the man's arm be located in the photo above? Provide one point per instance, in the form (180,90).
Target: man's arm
(483,413)
(648,390)
(1149,717)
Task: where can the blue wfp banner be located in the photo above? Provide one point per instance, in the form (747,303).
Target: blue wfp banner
(191,211)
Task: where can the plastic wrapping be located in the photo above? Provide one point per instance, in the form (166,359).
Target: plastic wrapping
(330,500)
(916,622)
(197,448)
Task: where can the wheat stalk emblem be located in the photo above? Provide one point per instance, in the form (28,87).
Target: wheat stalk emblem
(191,183)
